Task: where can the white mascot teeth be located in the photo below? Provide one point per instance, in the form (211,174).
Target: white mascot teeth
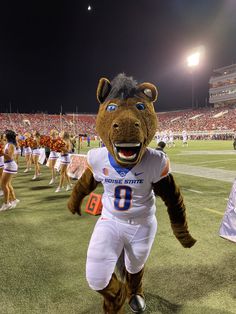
(122,156)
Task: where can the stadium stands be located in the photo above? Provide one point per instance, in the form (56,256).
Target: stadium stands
(207,119)
(74,124)
(200,120)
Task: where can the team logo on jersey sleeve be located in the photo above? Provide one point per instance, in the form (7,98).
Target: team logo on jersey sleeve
(105,171)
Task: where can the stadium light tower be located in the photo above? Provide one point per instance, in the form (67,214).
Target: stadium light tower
(192,62)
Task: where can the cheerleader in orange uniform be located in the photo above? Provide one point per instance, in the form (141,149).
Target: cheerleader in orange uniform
(2,144)
(28,151)
(36,154)
(53,156)
(9,169)
(64,162)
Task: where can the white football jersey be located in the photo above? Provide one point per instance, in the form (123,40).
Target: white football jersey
(128,191)
(228,224)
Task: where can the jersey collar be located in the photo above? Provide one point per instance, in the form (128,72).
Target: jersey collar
(122,171)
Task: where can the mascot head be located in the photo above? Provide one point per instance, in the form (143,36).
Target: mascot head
(126,121)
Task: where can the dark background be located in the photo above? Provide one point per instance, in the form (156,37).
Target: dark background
(52,53)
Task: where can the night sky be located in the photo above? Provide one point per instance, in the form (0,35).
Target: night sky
(52,53)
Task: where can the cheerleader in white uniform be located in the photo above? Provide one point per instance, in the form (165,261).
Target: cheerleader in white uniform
(28,152)
(36,154)
(1,162)
(53,158)
(18,151)
(65,160)
(9,169)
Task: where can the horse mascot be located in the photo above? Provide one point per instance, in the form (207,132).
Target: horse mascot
(132,174)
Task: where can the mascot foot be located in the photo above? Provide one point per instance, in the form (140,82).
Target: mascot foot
(137,304)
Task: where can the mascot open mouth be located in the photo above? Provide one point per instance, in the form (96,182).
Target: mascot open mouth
(127,152)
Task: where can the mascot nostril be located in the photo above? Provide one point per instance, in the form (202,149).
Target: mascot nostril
(132,174)
(115,126)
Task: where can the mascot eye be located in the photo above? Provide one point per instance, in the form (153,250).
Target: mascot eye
(111,107)
(140,106)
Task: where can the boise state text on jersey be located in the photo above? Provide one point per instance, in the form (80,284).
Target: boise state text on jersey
(128,191)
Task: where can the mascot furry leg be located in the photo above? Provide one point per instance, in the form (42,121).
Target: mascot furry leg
(114,296)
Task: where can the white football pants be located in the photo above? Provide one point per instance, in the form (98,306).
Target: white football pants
(109,237)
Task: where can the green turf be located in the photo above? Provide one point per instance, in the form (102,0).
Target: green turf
(43,248)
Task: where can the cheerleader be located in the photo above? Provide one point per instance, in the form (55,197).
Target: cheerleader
(64,162)
(36,154)
(2,143)
(53,156)
(9,169)
(28,152)
(18,150)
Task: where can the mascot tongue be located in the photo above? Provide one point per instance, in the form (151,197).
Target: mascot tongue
(127,152)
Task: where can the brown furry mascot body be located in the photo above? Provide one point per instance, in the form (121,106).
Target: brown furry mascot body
(131,174)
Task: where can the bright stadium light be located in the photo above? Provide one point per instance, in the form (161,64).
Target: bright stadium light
(193,59)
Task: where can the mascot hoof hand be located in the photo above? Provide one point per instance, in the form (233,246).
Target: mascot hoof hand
(137,304)
(188,241)
(73,209)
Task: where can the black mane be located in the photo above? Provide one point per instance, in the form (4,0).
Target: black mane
(122,87)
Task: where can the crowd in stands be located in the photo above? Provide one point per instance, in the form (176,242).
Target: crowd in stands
(207,119)
(43,123)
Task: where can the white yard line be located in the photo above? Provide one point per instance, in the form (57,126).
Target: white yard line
(208,152)
(211,162)
(213,211)
(204,172)
(194,191)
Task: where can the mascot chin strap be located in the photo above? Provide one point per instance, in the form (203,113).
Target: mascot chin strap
(130,172)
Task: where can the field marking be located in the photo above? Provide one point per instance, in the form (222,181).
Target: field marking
(204,172)
(211,162)
(208,152)
(194,191)
(213,211)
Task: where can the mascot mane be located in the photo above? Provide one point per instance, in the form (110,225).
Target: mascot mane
(122,87)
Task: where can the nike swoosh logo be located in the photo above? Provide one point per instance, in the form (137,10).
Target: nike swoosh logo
(138,173)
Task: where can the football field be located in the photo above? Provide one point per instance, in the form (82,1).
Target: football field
(43,246)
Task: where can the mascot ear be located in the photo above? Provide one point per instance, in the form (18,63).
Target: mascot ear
(103,89)
(148,90)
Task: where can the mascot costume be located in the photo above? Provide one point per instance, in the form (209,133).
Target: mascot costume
(132,175)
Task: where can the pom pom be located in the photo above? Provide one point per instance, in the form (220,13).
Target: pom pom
(58,145)
(29,142)
(45,141)
(21,143)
